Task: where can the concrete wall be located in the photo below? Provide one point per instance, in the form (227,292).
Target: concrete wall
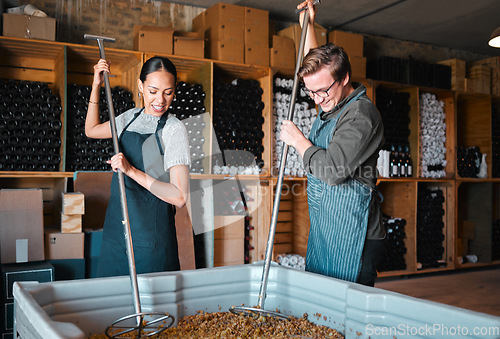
(113,18)
(116,18)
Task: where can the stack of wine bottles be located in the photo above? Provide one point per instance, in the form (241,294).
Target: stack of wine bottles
(238,123)
(188,106)
(432,136)
(394,108)
(82,153)
(430,227)
(468,161)
(495,240)
(395,249)
(395,111)
(248,237)
(30,127)
(409,71)
(304,115)
(495,133)
(400,163)
(294,261)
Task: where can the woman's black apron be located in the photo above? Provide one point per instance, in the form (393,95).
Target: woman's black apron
(151,220)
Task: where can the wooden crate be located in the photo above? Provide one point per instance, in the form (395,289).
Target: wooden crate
(474,125)
(227,72)
(458,73)
(73,203)
(292,227)
(71,223)
(449,218)
(36,60)
(478,79)
(475,204)
(125,67)
(494,64)
(400,201)
(448,98)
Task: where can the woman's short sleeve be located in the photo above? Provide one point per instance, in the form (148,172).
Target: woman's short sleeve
(175,144)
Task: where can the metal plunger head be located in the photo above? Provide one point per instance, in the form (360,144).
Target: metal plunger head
(143,321)
(100,42)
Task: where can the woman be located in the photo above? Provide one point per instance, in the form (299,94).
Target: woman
(154,158)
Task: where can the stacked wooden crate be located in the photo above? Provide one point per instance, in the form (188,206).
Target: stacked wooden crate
(494,66)
(458,73)
(478,79)
(67,242)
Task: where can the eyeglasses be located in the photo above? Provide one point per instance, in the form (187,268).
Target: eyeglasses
(323,93)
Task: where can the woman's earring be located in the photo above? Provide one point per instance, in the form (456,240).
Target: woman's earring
(140,95)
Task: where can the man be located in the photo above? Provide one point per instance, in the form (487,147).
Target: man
(340,157)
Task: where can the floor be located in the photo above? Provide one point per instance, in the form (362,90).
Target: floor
(473,289)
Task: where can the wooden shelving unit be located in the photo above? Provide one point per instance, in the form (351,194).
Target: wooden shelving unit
(468,123)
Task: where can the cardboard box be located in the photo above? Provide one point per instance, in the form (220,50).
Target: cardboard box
(21,225)
(256,17)
(225,33)
(458,72)
(227,51)
(29,27)
(257,55)
(358,67)
(351,42)
(63,245)
(224,22)
(256,28)
(225,14)
(198,23)
(294,32)
(191,44)
(282,54)
(71,223)
(73,203)
(257,37)
(154,39)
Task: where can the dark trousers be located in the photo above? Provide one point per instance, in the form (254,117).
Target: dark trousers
(372,254)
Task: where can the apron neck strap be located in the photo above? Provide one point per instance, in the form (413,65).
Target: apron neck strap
(159,127)
(136,115)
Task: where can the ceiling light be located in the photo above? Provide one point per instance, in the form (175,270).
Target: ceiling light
(495,38)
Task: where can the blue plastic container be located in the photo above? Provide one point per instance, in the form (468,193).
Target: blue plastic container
(80,308)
